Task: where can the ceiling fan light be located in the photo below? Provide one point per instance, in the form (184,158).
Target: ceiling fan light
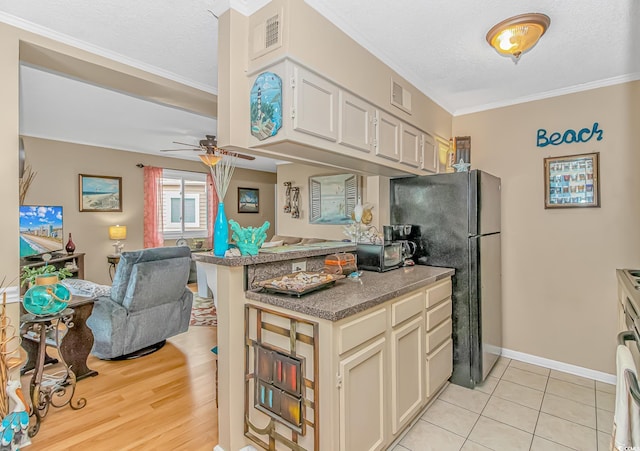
(210,159)
(518,34)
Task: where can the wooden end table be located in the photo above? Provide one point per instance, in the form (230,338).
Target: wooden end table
(76,344)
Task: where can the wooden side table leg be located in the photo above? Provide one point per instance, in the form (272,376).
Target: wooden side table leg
(77,343)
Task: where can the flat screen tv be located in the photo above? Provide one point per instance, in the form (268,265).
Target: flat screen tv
(40,230)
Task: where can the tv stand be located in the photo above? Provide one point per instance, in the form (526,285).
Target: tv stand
(59,261)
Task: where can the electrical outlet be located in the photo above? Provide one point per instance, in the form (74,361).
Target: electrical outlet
(299,266)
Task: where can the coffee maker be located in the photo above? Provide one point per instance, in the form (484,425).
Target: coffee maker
(406,234)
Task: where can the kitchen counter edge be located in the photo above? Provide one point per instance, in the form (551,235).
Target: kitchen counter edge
(293,254)
(349,297)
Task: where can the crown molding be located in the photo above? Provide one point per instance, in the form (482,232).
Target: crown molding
(100,51)
(553,93)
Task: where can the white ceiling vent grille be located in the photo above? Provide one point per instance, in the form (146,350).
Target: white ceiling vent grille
(266,36)
(400,97)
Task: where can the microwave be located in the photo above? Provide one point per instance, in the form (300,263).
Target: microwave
(379,257)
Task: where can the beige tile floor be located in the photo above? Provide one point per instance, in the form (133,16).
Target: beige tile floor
(519,407)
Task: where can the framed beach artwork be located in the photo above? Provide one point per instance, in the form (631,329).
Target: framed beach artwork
(332,198)
(248,200)
(100,193)
(266,105)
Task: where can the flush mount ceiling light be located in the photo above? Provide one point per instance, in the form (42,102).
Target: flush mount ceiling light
(515,35)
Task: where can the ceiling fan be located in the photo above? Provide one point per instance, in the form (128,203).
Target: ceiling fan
(210,146)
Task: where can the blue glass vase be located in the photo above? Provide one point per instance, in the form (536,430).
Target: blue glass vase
(220,232)
(46,297)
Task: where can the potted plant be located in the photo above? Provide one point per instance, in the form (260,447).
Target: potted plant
(28,276)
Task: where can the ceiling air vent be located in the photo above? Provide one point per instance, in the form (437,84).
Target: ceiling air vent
(400,97)
(266,36)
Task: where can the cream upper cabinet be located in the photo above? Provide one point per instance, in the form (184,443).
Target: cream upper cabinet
(325,122)
(411,140)
(362,390)
(407,372)
(429,161)
(315,105)
(356,121)
(387,142)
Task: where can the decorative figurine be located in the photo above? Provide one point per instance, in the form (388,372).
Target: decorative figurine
(249,239)
(461,166)
(13,430)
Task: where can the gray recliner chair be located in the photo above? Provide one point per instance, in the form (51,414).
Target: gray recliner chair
(149,303)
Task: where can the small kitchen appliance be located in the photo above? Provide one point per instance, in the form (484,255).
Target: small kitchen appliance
(379,257)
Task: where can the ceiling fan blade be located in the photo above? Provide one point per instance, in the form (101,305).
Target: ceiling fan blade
(179,150)
(185,144)
(235,154)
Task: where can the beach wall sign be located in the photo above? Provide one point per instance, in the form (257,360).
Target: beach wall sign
(570,136)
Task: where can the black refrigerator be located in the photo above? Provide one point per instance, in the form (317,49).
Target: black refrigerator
(458,219)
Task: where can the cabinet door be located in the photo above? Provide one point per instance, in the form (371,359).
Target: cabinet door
(407,377)
(315,105)
(429,155)
(387,136)
(356,122)
(410,145)
(439,367)
(362,399)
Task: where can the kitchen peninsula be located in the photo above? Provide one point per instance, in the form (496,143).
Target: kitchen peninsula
(346,367)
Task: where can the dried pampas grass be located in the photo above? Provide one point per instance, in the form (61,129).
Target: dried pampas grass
(25,182)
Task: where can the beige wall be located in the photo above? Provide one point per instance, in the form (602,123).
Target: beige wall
(58,164)
(559,284)
(298,175)
(9,263)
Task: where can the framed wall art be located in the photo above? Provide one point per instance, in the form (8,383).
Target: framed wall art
(248,200)
(266,105)
(332,198)
(572,181)
(100,193)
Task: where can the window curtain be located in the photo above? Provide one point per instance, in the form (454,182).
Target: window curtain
(212,205)
(153,236)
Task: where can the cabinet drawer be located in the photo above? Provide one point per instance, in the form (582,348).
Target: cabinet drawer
(439,367)
(438,293)
(356,332)
(438,335)
(438,314)
(406,308)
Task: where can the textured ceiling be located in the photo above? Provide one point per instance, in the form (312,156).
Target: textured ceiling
(438,45)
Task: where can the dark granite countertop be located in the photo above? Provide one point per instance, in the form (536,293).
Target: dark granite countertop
(348,297)
(292,252)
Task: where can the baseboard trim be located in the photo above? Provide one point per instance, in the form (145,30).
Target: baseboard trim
(560,366)
(13,294)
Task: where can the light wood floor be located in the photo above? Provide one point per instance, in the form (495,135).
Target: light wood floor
(163,401)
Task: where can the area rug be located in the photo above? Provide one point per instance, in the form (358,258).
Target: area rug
(203,312)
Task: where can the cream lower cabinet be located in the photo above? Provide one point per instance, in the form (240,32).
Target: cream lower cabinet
(362,391)
(407,373)
(391,360)
(438,344)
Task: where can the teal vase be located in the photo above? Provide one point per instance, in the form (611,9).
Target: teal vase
(46,297)
(220,232)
